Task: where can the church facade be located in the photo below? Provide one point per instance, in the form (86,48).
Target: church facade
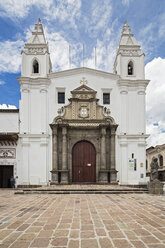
(79,125)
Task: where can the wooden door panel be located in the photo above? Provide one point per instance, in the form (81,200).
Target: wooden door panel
(84,155)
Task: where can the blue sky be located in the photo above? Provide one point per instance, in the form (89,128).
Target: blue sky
(94,23)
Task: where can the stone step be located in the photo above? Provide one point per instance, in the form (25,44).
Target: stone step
(81,191)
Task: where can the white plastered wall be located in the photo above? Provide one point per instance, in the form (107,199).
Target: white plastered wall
(40,102)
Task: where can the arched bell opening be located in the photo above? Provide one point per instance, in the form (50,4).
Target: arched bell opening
(130,68)
(35,68)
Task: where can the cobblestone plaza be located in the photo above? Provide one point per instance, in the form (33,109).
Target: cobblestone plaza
(123,220)
(86,221)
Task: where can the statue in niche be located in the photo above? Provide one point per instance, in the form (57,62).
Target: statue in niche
(154,169)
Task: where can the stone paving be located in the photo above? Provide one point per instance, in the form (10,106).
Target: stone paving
(86,221)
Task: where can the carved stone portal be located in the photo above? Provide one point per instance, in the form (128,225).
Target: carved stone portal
(83,119)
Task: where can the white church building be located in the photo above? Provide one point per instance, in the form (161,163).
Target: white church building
(79,125)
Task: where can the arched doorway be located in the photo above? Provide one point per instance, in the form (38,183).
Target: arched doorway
(83,163)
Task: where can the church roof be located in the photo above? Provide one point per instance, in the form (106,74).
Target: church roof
(83,70)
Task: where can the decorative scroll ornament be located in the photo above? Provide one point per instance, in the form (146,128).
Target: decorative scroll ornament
(59,111)
(108,111)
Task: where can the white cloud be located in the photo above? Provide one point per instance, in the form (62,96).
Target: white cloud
(105,49)
(10,56)
(59,51)
(126,2)
(14,8)
(105,56)
(63,10)
(99,18)
(4,106)
(152,34)
(21,8)
(155,101)
(2,82)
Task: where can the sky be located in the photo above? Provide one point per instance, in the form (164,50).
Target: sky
(94,23)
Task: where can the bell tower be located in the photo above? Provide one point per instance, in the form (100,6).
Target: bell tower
(34,83)
(35,56)
(129,62)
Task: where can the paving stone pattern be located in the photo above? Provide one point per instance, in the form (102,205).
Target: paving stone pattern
(86,221)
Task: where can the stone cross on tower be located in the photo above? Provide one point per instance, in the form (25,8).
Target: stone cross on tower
(83,81)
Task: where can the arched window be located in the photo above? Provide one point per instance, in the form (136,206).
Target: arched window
(35,66)
(130,68)
(160,160)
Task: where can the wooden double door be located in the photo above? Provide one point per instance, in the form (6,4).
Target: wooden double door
(6,172)
(83,163)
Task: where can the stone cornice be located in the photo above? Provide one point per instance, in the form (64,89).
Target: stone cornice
(86,123)
(34,135)
(83,70)
(133,83)
(34,81)
(36,45)
(35,53)
(133,136)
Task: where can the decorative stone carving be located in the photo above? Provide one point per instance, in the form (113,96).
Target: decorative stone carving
(83,104)
(129,52)
(59,111)
(84,119)
(108,112)
(84,111)
(35,50)
(8,153)
(83,81)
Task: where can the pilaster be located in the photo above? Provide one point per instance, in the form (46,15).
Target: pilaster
(113,171)
(103,175)
(64,172)
(54,156)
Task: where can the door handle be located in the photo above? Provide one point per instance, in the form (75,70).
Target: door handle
(79,172)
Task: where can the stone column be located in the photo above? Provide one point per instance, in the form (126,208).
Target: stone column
(64,149)
(54,156)
(103,178)
(64,173)
(103,149)
(112,156)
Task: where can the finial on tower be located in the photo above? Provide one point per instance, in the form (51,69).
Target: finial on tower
(39,21)
(126,28)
